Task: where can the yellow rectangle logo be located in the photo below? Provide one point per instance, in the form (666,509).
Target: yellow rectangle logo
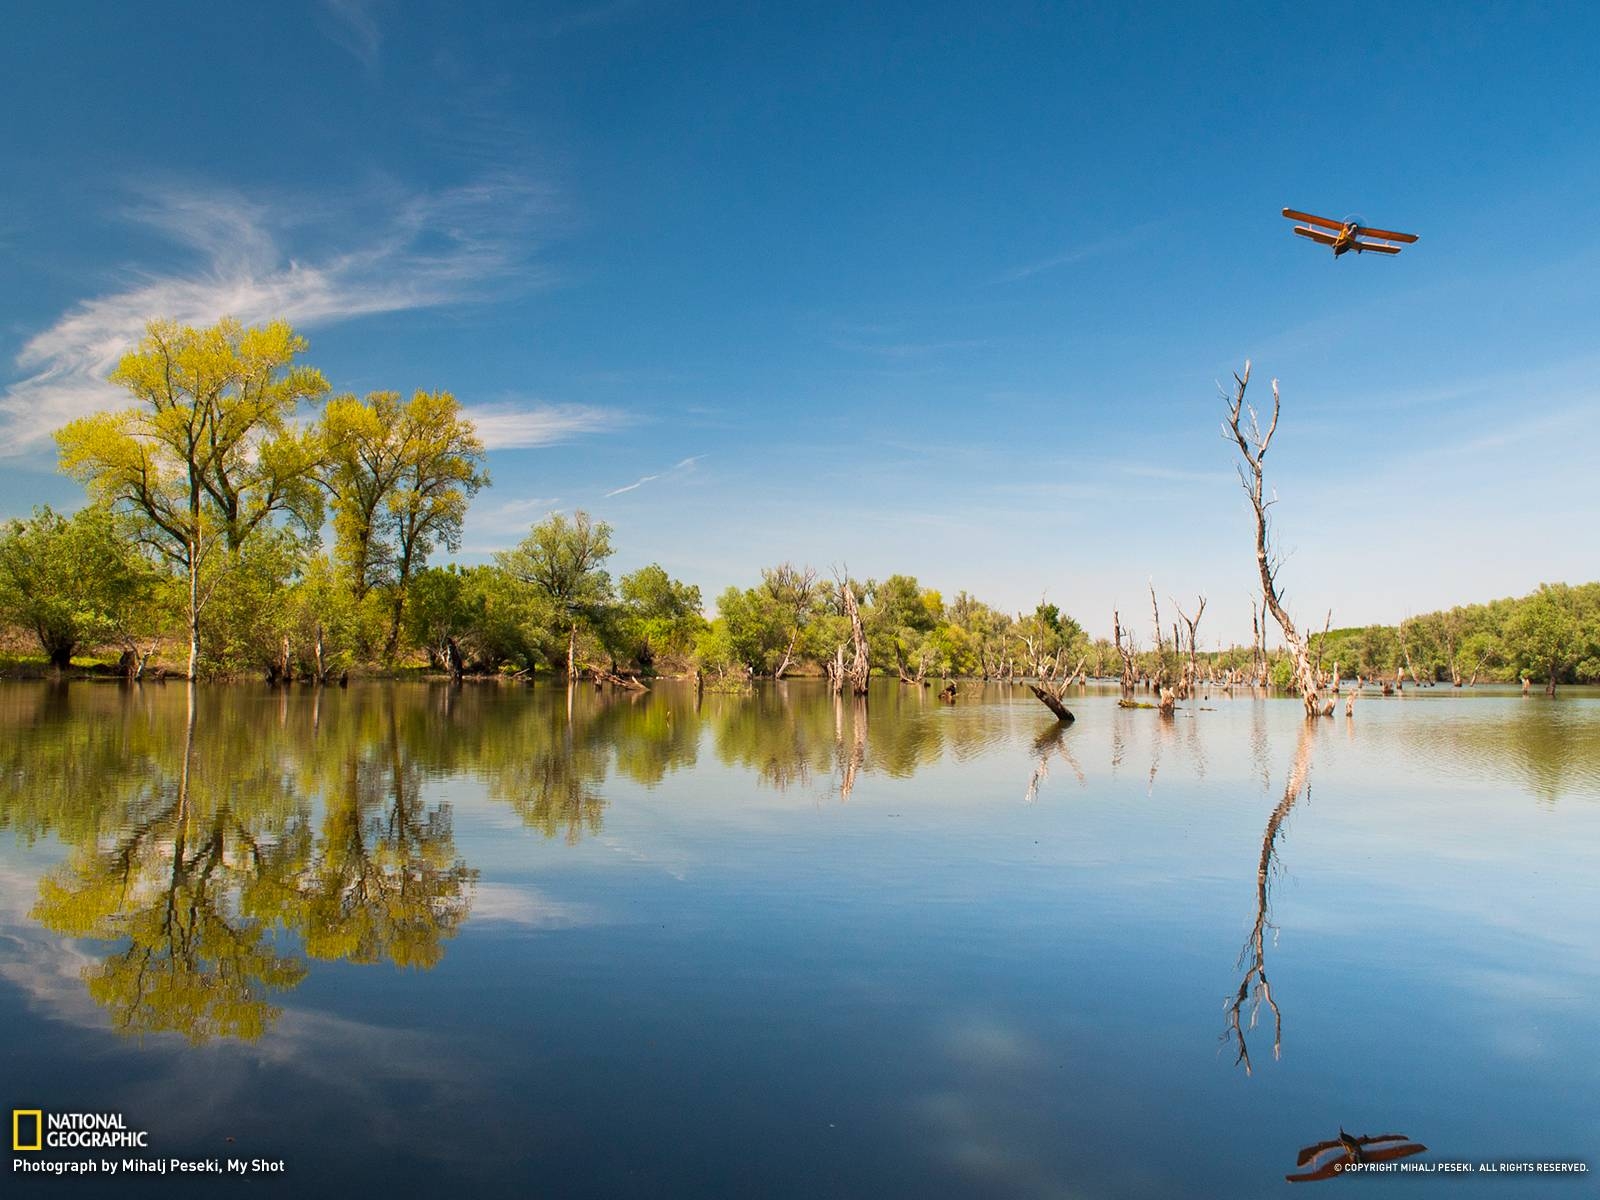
(19,1121)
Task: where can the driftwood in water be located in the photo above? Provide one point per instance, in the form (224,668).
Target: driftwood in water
(1053,703)
(631,682)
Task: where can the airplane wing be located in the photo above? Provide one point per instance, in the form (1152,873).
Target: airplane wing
(1319,1149)
(1377,247)
(1325,222)
(1314,235)
(1364,231)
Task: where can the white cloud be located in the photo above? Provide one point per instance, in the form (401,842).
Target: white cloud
(419,250)
(513,426)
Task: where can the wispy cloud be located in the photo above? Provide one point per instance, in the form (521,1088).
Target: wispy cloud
(418,250)
(1176,474)
(512,515)
(515,426)
(353,27)
(1078,254)
(685,465)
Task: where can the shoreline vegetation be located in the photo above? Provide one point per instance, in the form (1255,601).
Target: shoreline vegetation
(227,536)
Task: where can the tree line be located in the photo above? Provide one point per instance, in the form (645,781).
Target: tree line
(222,519)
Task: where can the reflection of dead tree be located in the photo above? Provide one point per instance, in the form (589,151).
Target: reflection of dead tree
(1254,989)
(1253,444)
(850,757)
(1051,741)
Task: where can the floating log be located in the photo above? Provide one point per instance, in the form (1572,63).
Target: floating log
(632,683)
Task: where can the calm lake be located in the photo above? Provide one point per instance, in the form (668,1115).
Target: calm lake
(514,941)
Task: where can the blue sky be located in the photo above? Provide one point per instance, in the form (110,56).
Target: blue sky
(930,288)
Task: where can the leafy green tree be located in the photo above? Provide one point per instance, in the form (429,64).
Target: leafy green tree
(1545,635)
(795,597)
(401,476)
(563,561)
(327,626)
(752,631)
(208,456)
(73,582)
(251,611)
(899,621)
(659,616)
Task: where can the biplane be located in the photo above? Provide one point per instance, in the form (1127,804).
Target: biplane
(1349,234)
(1371,1148)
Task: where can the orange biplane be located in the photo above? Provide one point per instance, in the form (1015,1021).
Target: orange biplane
(1349,234)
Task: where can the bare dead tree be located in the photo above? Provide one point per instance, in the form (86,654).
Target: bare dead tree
(1258,648)
(1192,671)
(859,667)
(1161,647)
(1255,989)
(1125,653)
(1253,445)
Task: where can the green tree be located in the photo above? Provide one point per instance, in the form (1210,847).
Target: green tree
(659,615)
(1545,635)
(563,561)
(401,476)
(208,455)
(71,581)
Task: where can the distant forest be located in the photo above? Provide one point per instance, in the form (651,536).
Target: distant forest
(226,536)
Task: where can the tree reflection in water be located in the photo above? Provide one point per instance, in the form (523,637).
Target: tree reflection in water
(206,847)
(1254,988)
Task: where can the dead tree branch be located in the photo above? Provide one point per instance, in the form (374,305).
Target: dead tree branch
(1253,445)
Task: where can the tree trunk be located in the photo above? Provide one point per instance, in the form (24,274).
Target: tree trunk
(194,609)
(1053,703)
(572,651)
(1253,448)
(860,668)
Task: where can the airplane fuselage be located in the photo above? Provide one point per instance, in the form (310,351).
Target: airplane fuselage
(1345,239)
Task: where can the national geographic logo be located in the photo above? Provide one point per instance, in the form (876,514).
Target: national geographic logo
(32,1129)
(27,1129)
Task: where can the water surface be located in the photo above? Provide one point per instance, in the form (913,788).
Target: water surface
(515,941)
